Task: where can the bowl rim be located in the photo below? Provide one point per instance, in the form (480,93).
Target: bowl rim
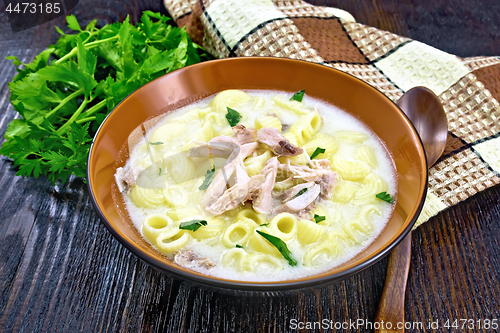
(304,282)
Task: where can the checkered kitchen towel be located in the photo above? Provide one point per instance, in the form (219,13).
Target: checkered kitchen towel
(469,88)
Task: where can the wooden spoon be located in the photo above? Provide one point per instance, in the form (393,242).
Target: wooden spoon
(426,113)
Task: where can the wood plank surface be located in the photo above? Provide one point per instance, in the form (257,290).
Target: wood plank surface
(62,271)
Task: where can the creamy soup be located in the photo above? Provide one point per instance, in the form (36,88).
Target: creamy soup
(259,186)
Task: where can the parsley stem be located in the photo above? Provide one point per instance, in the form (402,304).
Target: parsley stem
(67,56)
(95,108)
(88,45)
(64,101)
(97,42)
(90,36)
(84,120)
(73,117)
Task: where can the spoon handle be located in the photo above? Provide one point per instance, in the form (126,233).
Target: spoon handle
(391,308)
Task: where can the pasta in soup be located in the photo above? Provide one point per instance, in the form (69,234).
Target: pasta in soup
(259,186)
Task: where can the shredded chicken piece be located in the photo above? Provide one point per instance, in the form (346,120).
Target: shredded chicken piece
(304,172)
(302,203)
(119,175)
(327,181)
(235,195)
(320,164)
(286,183)
(244,135)
(293,191)
(264,200)
(188,259)
(224,138)
(241,176)
(327,184)
(126,179)
(273,138)
(215,149)
(219,183)
(219,198)
(304,214)
(319,172)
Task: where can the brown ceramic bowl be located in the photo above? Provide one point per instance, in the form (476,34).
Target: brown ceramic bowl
(110,150)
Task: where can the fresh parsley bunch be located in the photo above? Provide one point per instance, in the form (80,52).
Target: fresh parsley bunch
(65,93)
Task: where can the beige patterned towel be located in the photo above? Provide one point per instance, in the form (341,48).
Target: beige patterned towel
(469,88)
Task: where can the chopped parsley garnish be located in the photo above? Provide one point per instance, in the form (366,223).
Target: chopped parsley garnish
(298,96)
(385,196)
(264,225)
(159,173)
(156,143)
(281,246)
(317,152)
(304,190)
(233,117)
(192,225)
(319,218)
(238,246)
(208,179)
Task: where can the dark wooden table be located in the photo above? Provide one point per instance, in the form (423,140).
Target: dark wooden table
(61,270)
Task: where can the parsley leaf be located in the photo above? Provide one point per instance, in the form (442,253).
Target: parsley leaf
(385,197)
(192,225)
(156,143)
(298,96)
(233,117)
(208,179)
(62,102)
(15,61)
(238,246)
(317,151)
(304,190)
(73,23)
(281,246)
(87,61)
(319,218)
